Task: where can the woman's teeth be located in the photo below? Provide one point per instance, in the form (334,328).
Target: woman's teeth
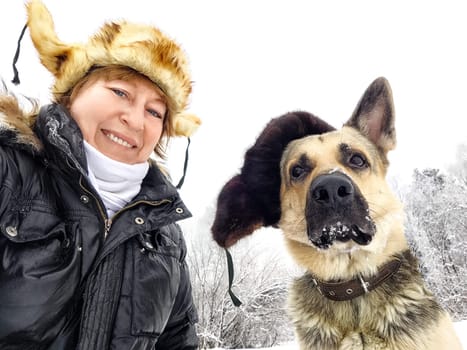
(119,140)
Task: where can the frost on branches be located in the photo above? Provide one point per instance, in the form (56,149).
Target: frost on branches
(436,226)
(260,282)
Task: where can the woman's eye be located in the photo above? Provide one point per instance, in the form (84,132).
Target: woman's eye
(358,161)
(118,92)
(154,113)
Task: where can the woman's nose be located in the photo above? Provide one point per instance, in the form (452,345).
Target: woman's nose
(134,119)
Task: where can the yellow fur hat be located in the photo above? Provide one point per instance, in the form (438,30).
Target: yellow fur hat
(141,47)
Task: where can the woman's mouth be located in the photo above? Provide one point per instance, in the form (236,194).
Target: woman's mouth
(118,140)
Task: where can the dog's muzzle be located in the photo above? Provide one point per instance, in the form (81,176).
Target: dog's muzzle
(336,210)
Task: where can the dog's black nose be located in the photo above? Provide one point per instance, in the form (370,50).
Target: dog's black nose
(332,190)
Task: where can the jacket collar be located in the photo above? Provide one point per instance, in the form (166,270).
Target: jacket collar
(61,138)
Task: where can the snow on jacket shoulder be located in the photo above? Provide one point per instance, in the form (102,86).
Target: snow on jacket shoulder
(52,228)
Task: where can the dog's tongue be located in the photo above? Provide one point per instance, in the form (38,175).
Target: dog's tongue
(360,237)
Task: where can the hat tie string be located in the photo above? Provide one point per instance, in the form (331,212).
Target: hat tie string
(15,59)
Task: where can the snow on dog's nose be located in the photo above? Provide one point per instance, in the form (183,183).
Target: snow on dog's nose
(336,210)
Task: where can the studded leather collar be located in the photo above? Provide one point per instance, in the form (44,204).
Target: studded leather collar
(348,290)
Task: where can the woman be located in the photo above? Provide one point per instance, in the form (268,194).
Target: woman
(91,256)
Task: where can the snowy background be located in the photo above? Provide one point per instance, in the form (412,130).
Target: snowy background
(255,60)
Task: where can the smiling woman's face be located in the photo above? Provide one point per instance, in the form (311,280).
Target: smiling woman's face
(123,119)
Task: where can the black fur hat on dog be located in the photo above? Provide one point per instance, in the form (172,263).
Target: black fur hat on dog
(251,199)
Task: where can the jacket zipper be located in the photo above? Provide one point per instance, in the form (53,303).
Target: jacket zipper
(151,203)
(108,221)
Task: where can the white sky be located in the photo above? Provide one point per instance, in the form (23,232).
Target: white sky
(255,60)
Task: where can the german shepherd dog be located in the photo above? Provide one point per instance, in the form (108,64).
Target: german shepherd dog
(326,190)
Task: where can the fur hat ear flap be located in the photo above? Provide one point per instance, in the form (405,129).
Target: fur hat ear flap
(251,199)
(237,213)
(52,51)
(185,124)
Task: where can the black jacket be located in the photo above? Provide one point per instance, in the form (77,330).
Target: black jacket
(70,275)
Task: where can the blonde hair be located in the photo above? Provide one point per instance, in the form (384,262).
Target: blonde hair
(117,72)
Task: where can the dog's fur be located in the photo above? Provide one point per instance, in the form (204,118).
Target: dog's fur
(340,221)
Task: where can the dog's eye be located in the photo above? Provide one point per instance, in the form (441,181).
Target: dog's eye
(358,161)
(297,171)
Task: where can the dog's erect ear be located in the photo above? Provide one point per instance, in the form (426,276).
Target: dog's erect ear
(251,199)
(374,115)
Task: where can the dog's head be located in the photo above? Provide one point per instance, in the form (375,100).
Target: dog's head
(336,181)
(326,189)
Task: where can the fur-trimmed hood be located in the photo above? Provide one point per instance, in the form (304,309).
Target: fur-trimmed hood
(16,124)
(143,48)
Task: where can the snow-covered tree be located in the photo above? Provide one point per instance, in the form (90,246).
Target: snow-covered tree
(260,282)
(436,208)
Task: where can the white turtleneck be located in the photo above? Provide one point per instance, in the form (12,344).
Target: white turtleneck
(117,183)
